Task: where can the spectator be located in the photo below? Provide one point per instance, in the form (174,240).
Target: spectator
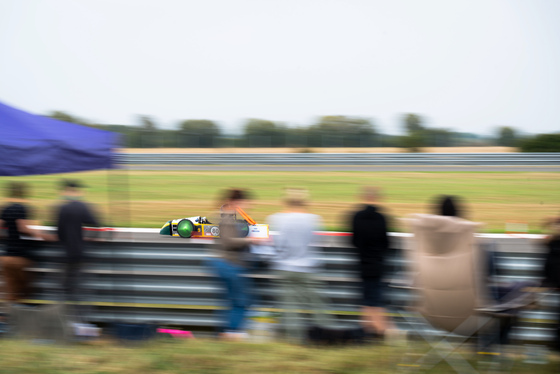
(295,264)
(230,265)
(552,265)
(16,218)
(447,229)
(72,215)
(369,229)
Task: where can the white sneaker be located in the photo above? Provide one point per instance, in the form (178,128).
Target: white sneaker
(234,336)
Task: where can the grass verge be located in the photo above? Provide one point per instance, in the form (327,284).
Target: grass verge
(206,356)
(153,197)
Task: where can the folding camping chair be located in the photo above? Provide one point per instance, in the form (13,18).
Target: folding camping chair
(453,304)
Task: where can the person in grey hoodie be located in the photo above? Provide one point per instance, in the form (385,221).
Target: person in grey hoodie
(295,264)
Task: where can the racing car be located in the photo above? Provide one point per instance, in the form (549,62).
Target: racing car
(201,227)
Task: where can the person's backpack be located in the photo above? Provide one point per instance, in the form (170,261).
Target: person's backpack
(329,336)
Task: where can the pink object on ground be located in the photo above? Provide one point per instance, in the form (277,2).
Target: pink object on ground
(176,333)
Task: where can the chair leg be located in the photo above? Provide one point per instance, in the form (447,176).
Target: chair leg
(443,349)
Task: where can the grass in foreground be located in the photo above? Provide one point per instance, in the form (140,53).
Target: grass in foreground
(157,196)
(205,356)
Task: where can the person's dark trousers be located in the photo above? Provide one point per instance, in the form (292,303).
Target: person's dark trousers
(73,291)
(71,285)
(238,294)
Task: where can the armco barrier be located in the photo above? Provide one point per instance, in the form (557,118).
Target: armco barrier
(424,159)
(141,276)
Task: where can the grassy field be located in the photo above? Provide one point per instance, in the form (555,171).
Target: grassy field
(157,196)
(205,356)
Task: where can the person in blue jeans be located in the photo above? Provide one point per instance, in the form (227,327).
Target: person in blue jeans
(230,266)
(238,296)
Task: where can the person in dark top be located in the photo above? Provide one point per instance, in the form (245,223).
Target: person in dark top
(551,271)
(15,217)
(369,228)
(72,215)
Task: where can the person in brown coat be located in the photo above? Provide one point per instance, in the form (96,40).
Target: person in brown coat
(230,267)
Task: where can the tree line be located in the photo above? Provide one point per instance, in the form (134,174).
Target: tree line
(326,131)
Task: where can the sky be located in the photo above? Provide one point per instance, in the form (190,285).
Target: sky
(468,65)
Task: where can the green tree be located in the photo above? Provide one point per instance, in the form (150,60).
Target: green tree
(297,136)
(148,134)
(264,133)
(199,133)
(66,117)
(147,123)
(541,143)
(506,137)
(342,131)
(437,137)
(415,137)
(413,123)
(126,139)
(413,142)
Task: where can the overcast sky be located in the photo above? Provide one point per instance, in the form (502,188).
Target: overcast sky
(466,65)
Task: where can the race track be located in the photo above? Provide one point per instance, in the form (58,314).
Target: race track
(373,168)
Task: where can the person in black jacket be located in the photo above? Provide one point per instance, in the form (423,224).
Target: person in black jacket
(369,228)
(72,215)
(16,217)
(552,265)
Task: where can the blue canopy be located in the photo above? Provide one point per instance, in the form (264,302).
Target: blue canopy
(33,144)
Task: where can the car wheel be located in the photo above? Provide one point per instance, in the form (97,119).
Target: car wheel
(242,228)
(185,228)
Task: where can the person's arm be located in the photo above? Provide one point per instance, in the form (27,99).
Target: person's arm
(89,218)
(318,226)
(548,270)
(354,237)
(385,240)
(24,223)
(229,238)
(24,227)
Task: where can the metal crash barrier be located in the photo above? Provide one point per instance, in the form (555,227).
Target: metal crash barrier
(508,159)
(139,276)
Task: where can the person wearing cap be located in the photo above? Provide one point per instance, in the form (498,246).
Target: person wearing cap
(72,215)
(295,264)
